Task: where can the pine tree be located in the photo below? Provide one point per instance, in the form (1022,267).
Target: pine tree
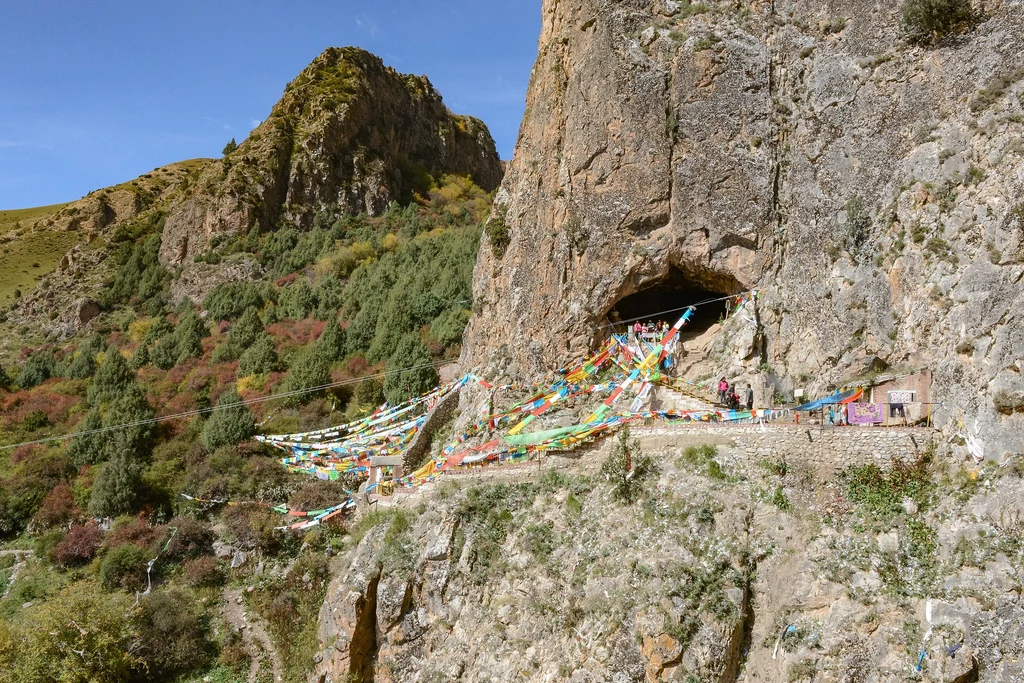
(111,379)
(163,353)
(247,330)
(130,408)
(409,372)
(230,147)
(87,449)
(331,343)
(38,369)
(117,486)
(83,364)
(369,393)
(5,379)
(188,336)
(227,426)
(306,370)
(259,358)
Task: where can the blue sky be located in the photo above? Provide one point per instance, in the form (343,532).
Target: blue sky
(97,93)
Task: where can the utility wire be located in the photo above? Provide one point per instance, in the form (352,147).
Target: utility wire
(300,392)
(201,411)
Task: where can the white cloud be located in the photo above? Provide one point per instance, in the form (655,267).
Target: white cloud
(366,23)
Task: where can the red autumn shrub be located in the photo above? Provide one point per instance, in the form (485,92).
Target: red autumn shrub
(204,571)
(57,509)
(78,547)
(137,532)
(23,453)
(286,280)
(53,404)
(357,365)
(192,538)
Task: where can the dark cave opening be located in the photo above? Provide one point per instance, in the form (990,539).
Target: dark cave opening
(667,298)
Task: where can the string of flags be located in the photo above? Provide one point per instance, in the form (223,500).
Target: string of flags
(631,368)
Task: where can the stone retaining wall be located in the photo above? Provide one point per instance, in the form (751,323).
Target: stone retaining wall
(830,449)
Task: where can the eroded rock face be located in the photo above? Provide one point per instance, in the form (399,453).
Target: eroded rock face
(751,574)
(348,133)
(872,191)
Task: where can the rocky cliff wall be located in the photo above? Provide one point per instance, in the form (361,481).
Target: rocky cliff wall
(348,134)
(871,190)
(748,569)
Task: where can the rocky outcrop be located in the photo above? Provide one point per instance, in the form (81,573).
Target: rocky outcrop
(750,570)
(196,280)
(871,190)
(348,135)
(501,583)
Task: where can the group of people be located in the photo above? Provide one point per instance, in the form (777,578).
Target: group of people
(729,395)
(651,331)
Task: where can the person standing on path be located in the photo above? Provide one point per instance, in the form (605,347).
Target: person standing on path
(750,397)
(723,389)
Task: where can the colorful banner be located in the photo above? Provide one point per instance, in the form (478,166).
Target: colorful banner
(865,413)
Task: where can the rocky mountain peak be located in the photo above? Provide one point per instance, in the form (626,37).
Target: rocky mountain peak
(349,134)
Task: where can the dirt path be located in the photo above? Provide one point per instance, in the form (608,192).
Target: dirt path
(254,636)
(19,564)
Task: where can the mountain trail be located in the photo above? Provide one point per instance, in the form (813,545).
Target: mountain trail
(252,632)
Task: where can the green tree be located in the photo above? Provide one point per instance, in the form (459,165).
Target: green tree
(117,486)
(449,326)
(188,336)
(112,378)
(409,372)
(130,412)
(362,329)
(140,276)
(232,299)
(329,293)
(227,426)
(369,393)
(627,468)
(164,352)
(230,147)
(331,343)
(259,358)
(928,21)
(297,301)
(247,330)
(307,369)
(225,352)
(5,379)
(38,369)
(86,448)
(396,322)
(83,363)
(242,335)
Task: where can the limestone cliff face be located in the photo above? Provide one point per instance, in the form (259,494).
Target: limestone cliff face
(348,133)
(871,190)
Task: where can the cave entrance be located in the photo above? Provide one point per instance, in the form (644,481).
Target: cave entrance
(666,299)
